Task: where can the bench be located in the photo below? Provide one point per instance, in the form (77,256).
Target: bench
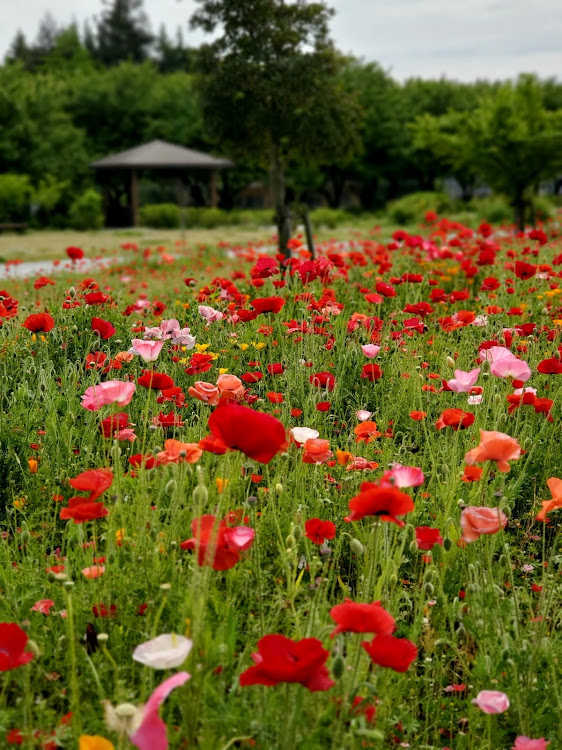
(13,227)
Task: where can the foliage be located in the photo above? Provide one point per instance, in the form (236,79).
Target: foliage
(15,194)
(411,209)
(86,211)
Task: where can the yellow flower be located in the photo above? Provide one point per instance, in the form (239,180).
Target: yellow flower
(20,503)
(119,535)
(186,305)
(202,347)
(223,370)
(94,742)
(244,346)
(214,355)
(259,345)
(222,484)
(32,463)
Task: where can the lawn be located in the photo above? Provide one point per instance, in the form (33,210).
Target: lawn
(267,505)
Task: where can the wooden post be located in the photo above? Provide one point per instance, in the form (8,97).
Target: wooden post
(213,185)
(134,198)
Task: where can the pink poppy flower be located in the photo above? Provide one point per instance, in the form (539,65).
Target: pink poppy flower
(151,734)
(402,476)
(210,314)
(370,350)
(363,415)
(111,392)
(476,521)
(148,350)
(94,571)
(526,743)
(302,434)
(463,381)
(505,364)
(44,606)
(491,701)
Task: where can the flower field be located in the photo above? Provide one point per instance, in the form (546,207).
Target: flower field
(256,503)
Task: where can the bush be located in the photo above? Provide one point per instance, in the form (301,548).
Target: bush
(86,211)
(411,209)
(544,207)
(160,216)
(15,195)
(495,209)
(328,217)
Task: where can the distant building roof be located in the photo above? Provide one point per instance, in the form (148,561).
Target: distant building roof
(161,155)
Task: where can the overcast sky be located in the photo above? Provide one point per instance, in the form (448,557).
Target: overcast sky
(459,39)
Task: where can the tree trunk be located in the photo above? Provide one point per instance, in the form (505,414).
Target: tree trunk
(519,209)
(282,219)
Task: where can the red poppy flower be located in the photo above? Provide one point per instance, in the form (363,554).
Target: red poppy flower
(279,659)
(388,651)
(318,531)
(199,363)
(472,474)
(275,398)
(267,304)
(417,416)
(385,289)
(216,543)
(551,366)
(252,377)
(323,380)
(103,327)
(264,268)
(173,395)
(371,372)
(42,281)
(12,645)
(39,323)
(524,270)
(455,418)
(158,381)
(259,436)
(384,502)
(323,406)
(112,424)
(212,444)
(138,460)
(82,509)
(96,298)
(275,369)
(356,617)
(427,538)
(75,253)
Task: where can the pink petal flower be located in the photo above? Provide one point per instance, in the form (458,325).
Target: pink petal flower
(403,476)
(302,434)
(151,735)
(363,415)
(463,381)
(148,350)
(210,314)
(94,571)
(491,701)
(43,606)
(111,392)
(240,537)
(526,743)
(505,364)
(370,350)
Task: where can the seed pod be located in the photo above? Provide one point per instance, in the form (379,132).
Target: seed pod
(297,533)
(485,366)
(171,487)
(338,667)
(413,548)
(447,544)
(290,541)
(356,547)
(429,589)
(200,494)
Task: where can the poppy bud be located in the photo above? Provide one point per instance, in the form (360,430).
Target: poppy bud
(68,585)
(115,451)
(33,647)
(25,536)
(297,533)
(485,366)
(429,589)
(485,376)
(72,292)
(473,588)
(451,363)
(290,542)
(545,311)
(410,531)
(501,420)
(356,547)
(338,667)
(393,580)
(461,630)
(413,547)
(437,553)
(527,444)
(507,510)
(497,398)
(200,494)
(461,503)
(252,501)
(447,544)
(173,544)
(278,489)
(171,487)
(103,637)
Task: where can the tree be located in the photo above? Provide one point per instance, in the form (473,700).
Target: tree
(270,88)
(510,140)
(123,33)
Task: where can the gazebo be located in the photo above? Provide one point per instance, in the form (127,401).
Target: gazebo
(167,159)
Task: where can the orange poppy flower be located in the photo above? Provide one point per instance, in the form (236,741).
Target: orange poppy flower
(175,451)
(494,446)
(417,416)
(555,487)
(366,431)
(472,474)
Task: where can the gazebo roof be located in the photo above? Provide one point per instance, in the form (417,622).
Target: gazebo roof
(161,155)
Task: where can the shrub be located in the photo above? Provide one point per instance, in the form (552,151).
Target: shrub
(495,209)
(411,209)
(15,194)
(86,211)
(328,217)
(160,216)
